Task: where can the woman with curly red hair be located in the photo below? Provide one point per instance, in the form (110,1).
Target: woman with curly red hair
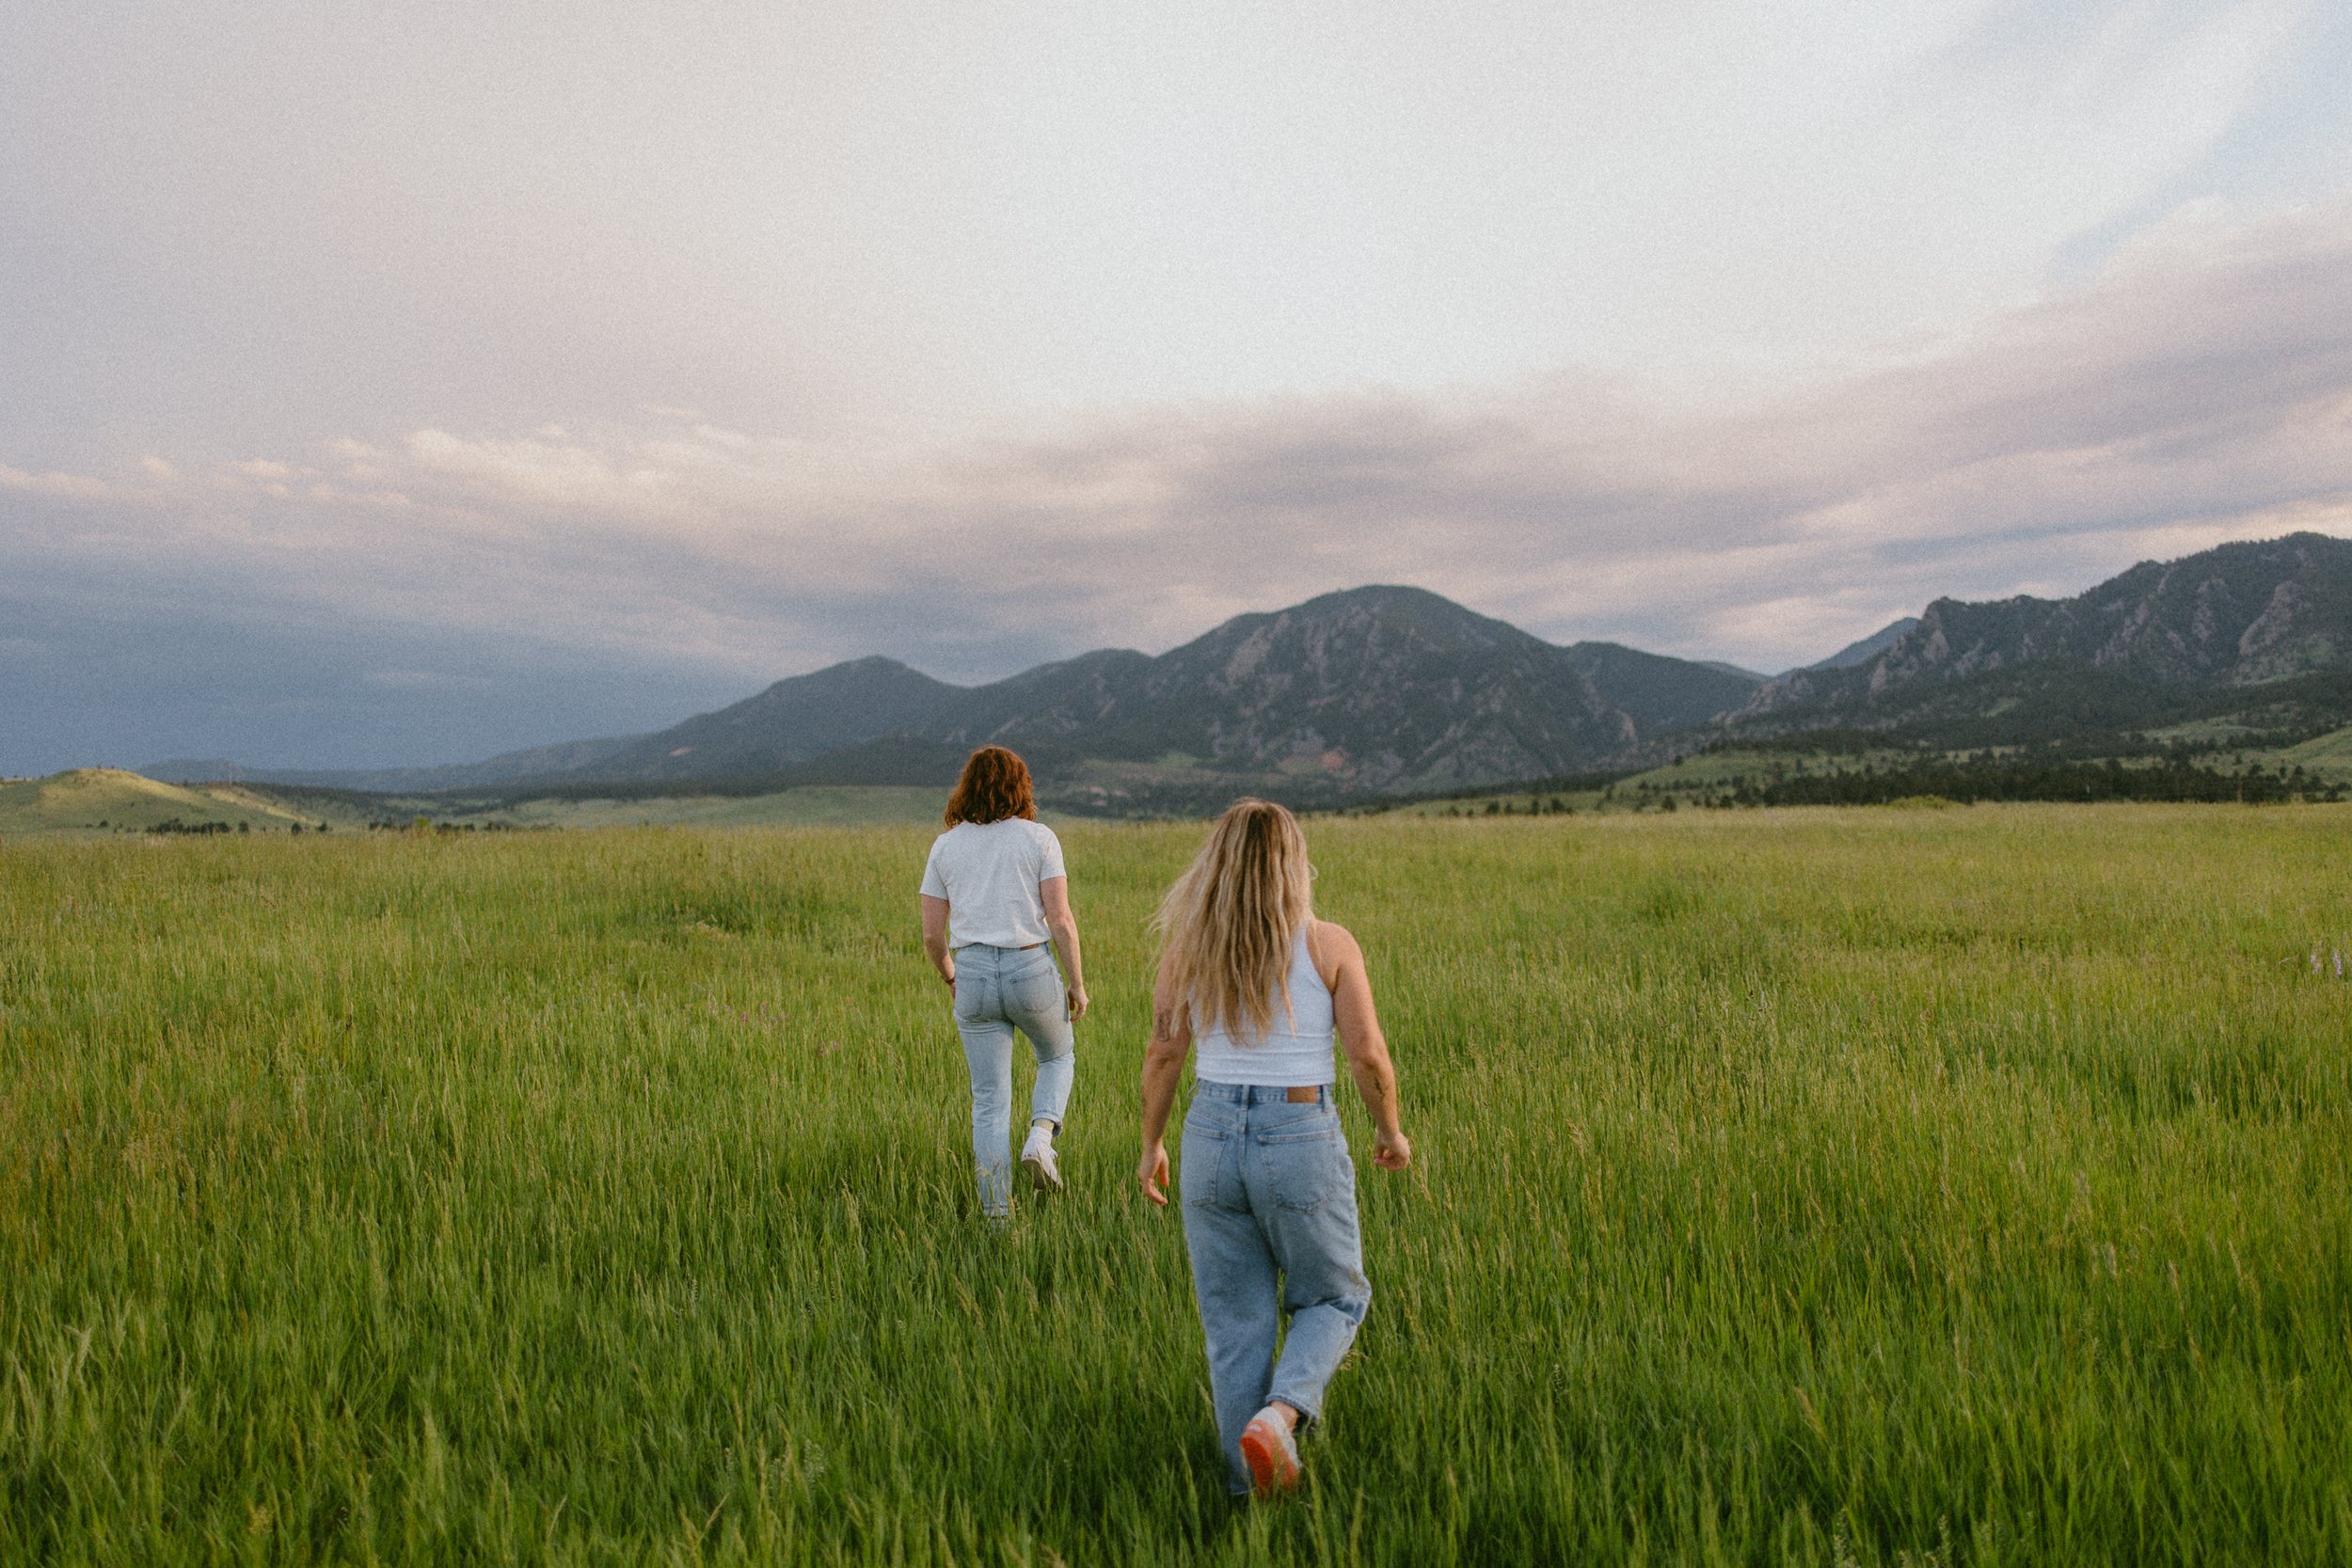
(994,895)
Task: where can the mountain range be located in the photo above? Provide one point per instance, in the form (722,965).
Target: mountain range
(1386,690)
(1375,688)
(2234,629)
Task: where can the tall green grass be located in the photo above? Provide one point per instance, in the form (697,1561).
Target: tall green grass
(1967,1187)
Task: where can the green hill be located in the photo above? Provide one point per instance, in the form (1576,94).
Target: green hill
(2329,754)
(107,799)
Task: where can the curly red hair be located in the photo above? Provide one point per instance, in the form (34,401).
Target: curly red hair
(995,784)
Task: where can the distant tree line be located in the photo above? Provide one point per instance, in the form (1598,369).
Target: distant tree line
(2027,778)
(205,830)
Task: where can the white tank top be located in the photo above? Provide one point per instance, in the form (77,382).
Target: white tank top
(1296,1050)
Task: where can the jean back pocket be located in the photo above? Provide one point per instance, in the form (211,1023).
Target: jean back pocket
(1304,1167)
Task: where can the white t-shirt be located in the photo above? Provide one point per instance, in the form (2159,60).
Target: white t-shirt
(989,872)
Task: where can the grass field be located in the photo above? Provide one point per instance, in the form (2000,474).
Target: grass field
(810,805)
(1894,1187)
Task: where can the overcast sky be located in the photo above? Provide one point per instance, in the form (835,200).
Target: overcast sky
(400,383)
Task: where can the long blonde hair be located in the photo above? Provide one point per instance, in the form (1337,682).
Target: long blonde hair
(1228,924)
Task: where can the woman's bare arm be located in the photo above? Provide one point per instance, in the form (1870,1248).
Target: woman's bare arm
(1053,893)
(1163,1065)
(1359,1036)
(935,939)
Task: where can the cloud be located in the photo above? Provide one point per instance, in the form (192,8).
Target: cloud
(2198,390)
(238,229)
(63,485)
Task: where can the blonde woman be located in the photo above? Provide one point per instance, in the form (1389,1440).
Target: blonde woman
(995,893)
(1261,988)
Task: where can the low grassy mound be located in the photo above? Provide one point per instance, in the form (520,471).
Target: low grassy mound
(2328,755)
(103,800)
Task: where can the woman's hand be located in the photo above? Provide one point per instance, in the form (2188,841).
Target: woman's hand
(1391,1150)
(1077,1001)
(1152,1173)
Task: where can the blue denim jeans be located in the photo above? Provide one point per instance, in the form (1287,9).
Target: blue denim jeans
(999,990)
(1270,1191)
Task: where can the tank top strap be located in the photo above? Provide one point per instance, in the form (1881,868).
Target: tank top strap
(1304,975)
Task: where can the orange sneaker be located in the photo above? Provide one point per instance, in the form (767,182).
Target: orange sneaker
(1271,1452)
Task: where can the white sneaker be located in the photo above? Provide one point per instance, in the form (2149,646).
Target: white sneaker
(1038,1154)
(1271,1452)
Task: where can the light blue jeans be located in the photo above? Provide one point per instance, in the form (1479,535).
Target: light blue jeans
(1269,1189)
(999,990)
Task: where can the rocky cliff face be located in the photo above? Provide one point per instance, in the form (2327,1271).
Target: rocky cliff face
(2231,616)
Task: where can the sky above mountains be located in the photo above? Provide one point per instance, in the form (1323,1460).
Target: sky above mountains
(397,385)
